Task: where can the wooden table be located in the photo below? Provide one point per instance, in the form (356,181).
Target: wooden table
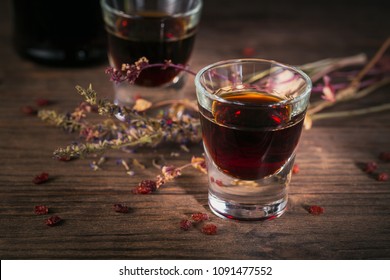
(356,222)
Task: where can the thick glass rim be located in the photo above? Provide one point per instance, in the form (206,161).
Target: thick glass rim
(305,77)
(112,10)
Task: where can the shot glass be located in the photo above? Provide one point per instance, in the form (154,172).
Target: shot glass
(159,30)
(251,112)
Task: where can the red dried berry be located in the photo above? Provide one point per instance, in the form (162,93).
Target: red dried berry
(41,210)
(370,167)
(53,221)
(120,208)
(145,187)
(295,169)
(385,156)
(42,102)
(41,178)
(383,177)
(198,217)
(65,158)
(185,224)
(28,110)
(248,51)
(315,210)
(209,229)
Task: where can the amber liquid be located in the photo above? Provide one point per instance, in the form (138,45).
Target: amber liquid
(139,36)
(250,143)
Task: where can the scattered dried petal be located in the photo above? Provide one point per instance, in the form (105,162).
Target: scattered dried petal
(170,172)
(120,208)
(145,187)
(198,217)
(385,156)
(185,224)
(295,169)
(199,163)
(209,229)
(41,178)
(315,210)
(383,177)
(370,167)
(41,210)
(53,221)
(328,91)
(141,105)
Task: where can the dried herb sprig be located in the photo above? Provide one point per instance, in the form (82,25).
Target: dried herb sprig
(168,174)
(130,72)
(136,130)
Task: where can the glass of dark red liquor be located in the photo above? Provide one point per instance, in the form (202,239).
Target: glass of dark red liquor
(252,113)
(159,30)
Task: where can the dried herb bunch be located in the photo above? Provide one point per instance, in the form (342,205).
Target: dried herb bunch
(136,129)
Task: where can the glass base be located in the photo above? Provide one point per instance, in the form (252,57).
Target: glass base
(247,212)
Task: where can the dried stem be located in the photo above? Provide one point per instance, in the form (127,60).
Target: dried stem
(351,113)
(320,105)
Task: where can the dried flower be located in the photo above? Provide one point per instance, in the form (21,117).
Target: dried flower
(130,72)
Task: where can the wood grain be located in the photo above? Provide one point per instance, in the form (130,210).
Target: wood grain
(356,222)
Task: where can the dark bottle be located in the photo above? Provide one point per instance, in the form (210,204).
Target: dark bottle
(59,33)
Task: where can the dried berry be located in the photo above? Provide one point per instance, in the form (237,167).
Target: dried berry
(145,187)
(248,51)
(42,102)
(385,156)
(120,208)
(41,178)
(198,217)
(315,210)
(383,177)
(53,221)
(185,224)
(209,229)
(295,169)
(28,110)
(41,210)
(370,167)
